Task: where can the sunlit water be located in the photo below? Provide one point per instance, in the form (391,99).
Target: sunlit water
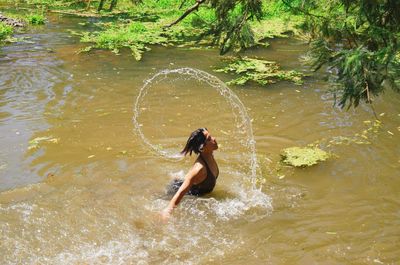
(89,189)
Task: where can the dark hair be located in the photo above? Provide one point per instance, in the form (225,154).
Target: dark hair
(195,142)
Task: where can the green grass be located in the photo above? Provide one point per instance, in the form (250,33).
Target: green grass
(140,34)
(273,27)
(154,15)
(136,36)
(5,31)
(35,19)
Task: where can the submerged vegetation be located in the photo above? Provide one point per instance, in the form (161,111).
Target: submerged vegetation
(260,71)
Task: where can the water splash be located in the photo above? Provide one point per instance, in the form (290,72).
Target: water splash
(243,122)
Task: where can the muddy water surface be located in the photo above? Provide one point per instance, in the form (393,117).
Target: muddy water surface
(78,186)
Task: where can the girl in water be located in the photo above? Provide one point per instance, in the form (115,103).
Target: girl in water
(203,175)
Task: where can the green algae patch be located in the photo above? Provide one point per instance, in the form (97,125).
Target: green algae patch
(260,71)
(38,141)
(303,156)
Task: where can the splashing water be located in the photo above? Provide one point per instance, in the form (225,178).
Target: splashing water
(246,198)
(238,110)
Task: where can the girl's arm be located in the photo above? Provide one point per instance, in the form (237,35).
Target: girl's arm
(184,188)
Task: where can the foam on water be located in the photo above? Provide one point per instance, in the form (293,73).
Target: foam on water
(118,251)
(244,201)
(237,201)
(172,243)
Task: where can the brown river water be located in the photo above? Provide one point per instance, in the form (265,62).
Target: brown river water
(78,185)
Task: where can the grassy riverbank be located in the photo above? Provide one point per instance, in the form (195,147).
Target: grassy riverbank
(149,23)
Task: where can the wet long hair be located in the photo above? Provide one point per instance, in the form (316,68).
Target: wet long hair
(195,142)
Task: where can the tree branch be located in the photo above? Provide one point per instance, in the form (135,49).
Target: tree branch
(187,12)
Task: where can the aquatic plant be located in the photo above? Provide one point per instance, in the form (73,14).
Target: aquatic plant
(35,19)
(137,36)
(5,31)
(260,71)
(303,156)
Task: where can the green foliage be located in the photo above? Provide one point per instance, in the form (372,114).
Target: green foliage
(136,36)
(48,3)
(225,22)
(232,30)
(228,24)
(358,40)
(272,27)
(204,17)
(362,72)
(259,71)
(303,156)
(35,19)
(275,9)
(5,31)
(238,25)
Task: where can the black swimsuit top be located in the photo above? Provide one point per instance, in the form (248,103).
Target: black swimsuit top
(206,185)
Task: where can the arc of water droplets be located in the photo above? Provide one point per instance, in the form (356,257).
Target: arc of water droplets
(224,91)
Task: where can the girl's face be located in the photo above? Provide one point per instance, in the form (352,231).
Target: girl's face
(210,143)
